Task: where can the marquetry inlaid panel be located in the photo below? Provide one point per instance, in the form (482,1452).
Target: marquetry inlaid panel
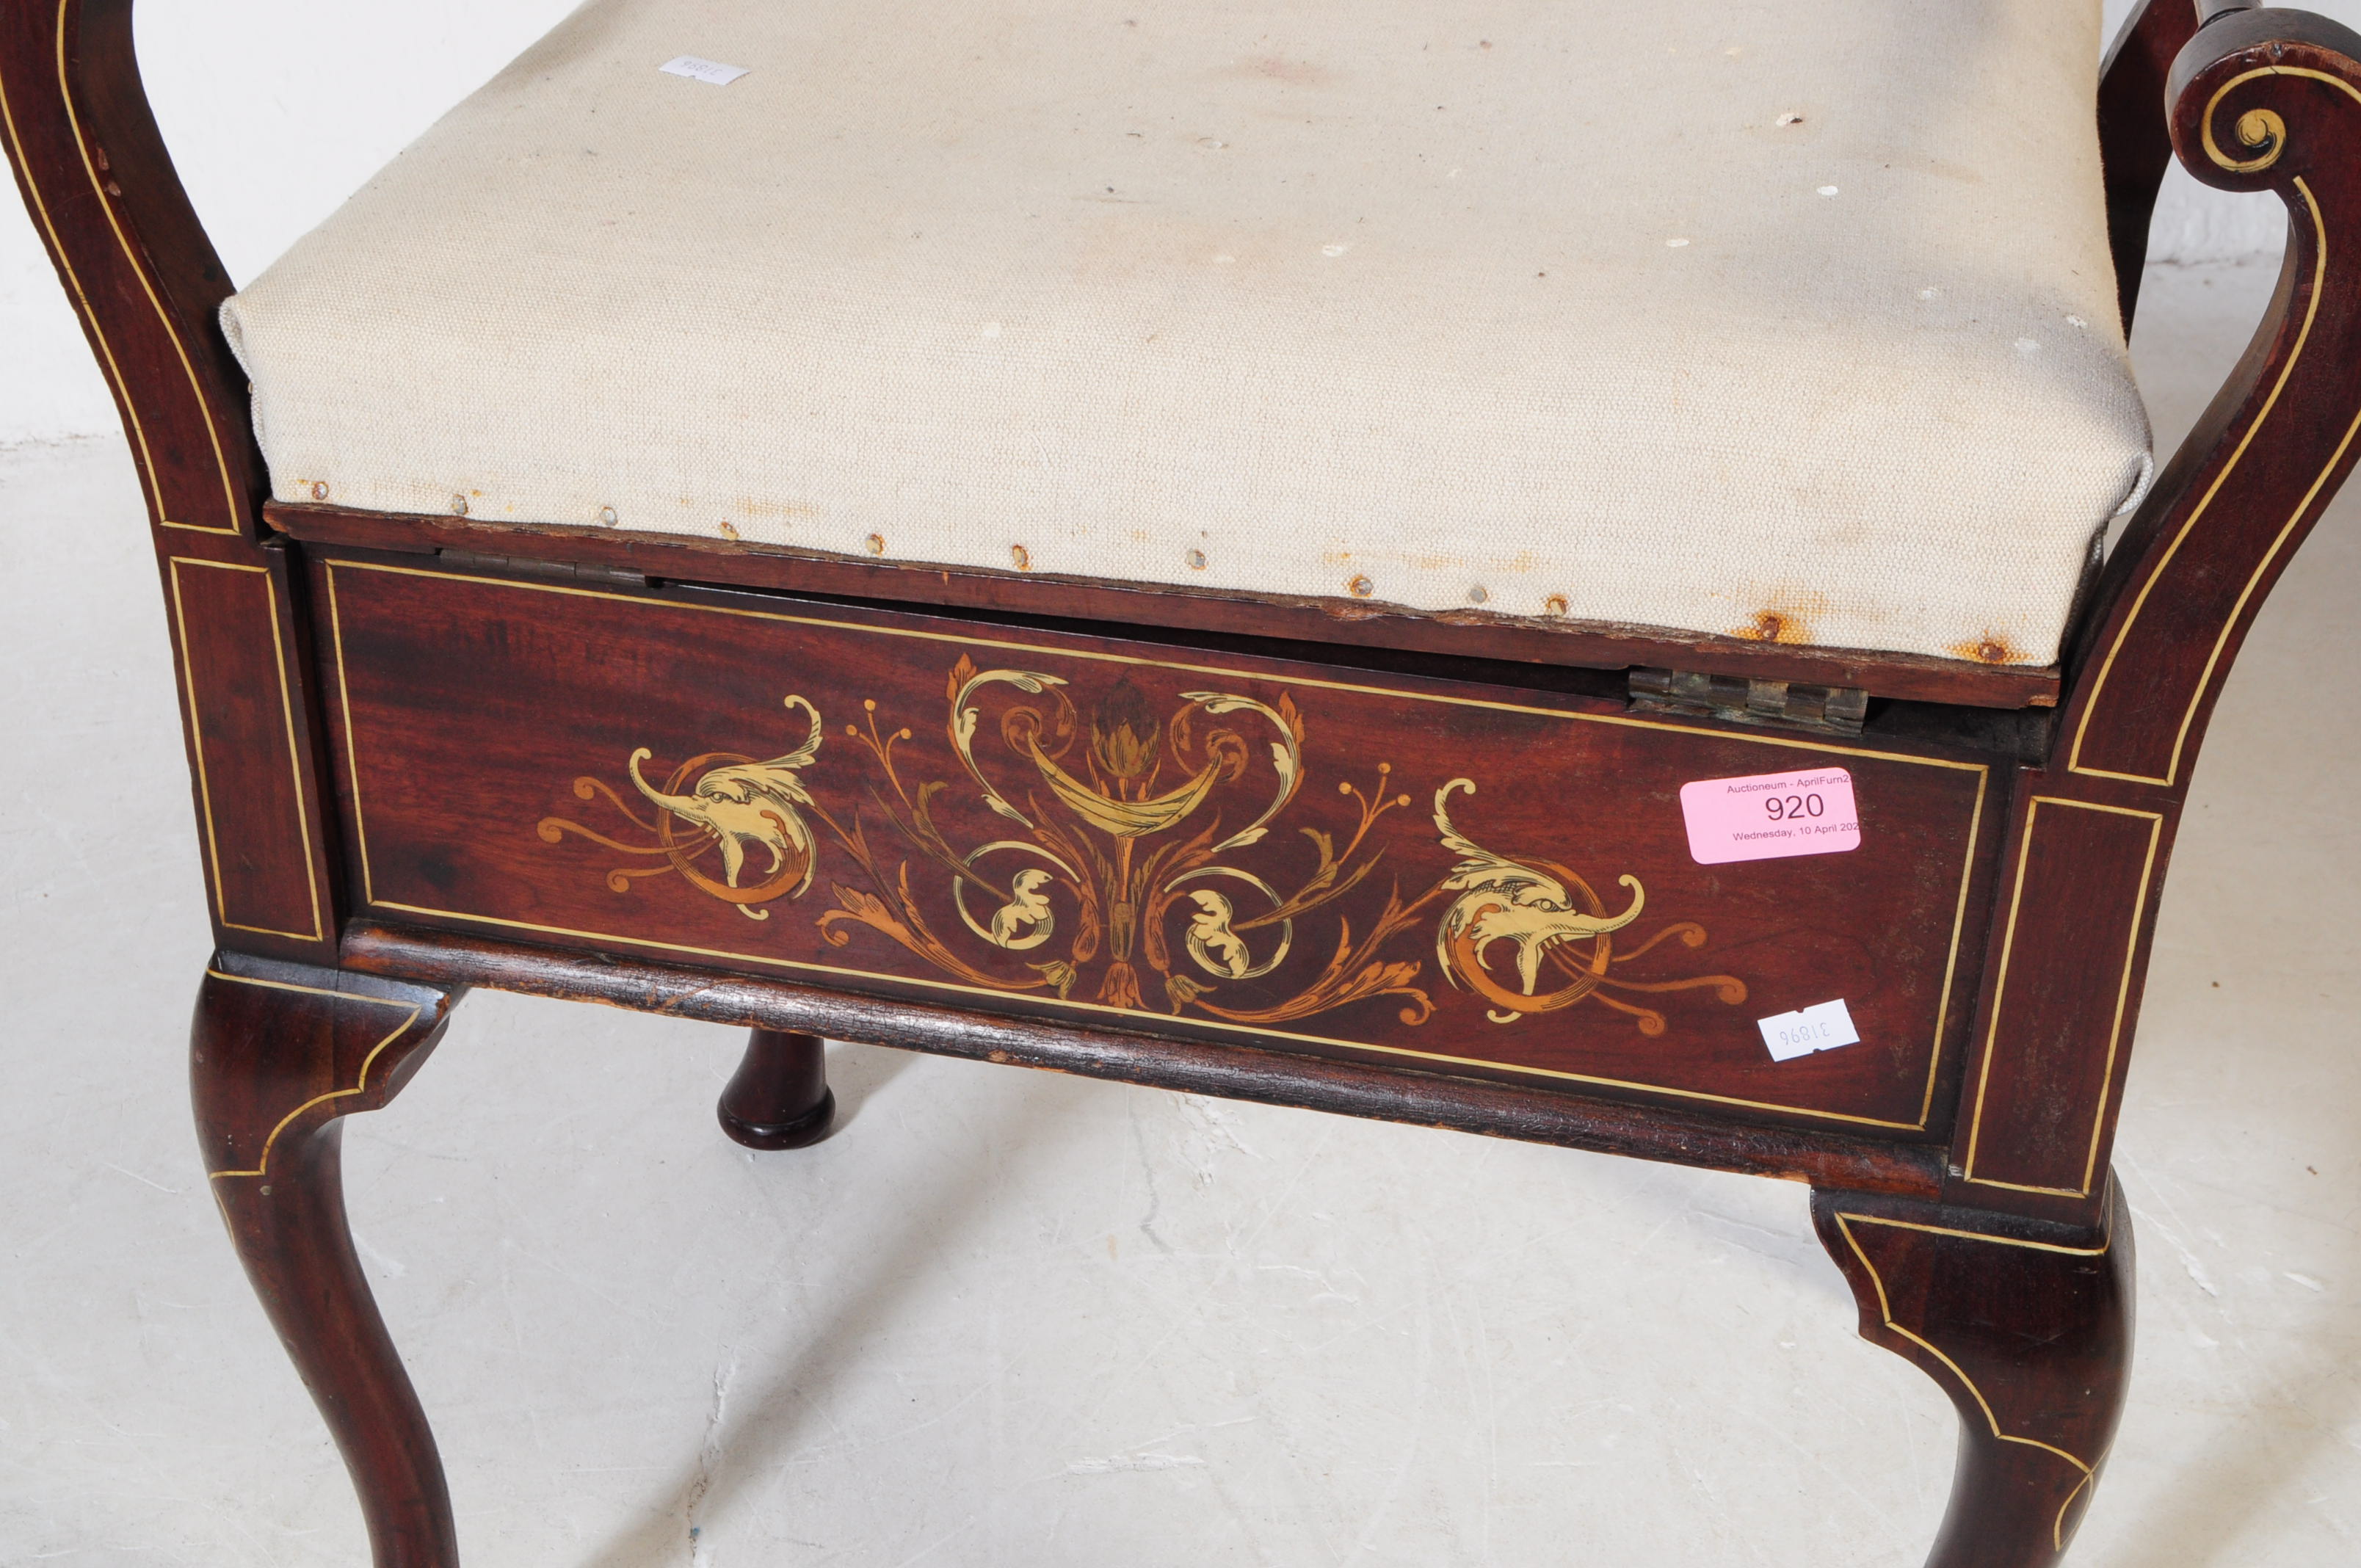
(1457,877)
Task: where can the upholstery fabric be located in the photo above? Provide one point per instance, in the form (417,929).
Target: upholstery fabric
(1752,317)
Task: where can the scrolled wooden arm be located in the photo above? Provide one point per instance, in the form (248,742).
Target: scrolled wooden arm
(2256,101)
(2264,100)
(2274,49)
(135,262)
(134,258)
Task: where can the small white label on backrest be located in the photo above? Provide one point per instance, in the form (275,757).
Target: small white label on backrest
(712,72)
(1799,1034)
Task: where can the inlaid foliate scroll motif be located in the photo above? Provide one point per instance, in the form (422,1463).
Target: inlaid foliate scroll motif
(1144,854)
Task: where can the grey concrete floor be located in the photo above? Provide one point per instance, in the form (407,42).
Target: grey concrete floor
(1005,1318)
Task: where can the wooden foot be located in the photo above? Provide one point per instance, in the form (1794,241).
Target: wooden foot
(779,1097)
(2028,1329)
(278,1053)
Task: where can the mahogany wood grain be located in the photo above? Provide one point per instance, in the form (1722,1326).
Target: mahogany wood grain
(247,732)
(857,877)
(278,1055)
(78,134)
(2262,101)
(133,257)
(1482,880)
(1096,1049)
(2134,143)
(779,1097)
(2054,1025)
(1463,635)
(2027,1328)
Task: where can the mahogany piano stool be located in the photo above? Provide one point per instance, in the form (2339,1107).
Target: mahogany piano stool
(1344,847)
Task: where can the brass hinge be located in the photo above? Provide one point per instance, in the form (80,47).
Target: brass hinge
(547,570)
(1830,710)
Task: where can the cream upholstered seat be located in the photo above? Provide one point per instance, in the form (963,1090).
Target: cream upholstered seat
(1731,315)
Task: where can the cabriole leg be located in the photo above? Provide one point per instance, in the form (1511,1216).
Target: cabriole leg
(278,1055)
(2028,1329)
(779,1097)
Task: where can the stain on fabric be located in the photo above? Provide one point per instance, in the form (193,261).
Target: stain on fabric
(787,511)
(1787,618)
(1991,648)
(1278,68)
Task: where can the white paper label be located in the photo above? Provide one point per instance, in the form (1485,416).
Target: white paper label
(1799,1034)
(712,72)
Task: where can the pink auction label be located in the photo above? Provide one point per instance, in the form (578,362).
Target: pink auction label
(1769,815)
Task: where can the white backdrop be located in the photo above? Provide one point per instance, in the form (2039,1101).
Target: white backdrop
(277,109)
